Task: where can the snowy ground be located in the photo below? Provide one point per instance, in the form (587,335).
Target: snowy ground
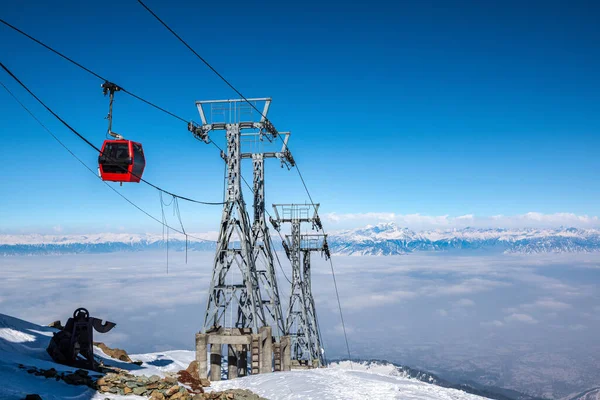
(25,343)
(341,382)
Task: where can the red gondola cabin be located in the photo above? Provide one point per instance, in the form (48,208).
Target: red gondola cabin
(121,161)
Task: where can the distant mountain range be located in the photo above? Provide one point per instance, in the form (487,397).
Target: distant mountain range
(99,243)
(389,239)
(378,240)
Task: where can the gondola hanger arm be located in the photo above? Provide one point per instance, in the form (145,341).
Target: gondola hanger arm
(110,89)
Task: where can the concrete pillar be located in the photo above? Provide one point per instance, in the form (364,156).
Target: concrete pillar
(242,360)
(232,362)
(255,350)
(215,362)
(201,355)
(286,353)
(277,356)
(266,354)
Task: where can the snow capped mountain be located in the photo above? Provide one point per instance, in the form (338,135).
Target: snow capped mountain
(383,239)
(389,239)
(101,243)
(100,238)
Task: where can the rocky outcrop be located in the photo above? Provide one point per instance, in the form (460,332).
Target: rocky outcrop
(188,376)
(56,324)
(160,388)
(79,377)
(121,382)
(118,354)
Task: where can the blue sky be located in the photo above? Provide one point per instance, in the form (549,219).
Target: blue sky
(429,108)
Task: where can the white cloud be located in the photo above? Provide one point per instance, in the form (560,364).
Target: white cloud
(577,327)
(468,286)
(548,304)
(380,217)
(378,299)
(494,323)
(442,312)
(419,221)
(465,303)
(526,318)
(339,330)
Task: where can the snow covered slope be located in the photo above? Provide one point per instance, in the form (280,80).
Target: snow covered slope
(343,382)
(24,343)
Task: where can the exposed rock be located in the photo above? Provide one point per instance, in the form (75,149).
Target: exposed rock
(172,390)
(57,325)
(102,381)
(79,377)
(119,354)
(121,382)
(33,397)
(186,378)
(156,395)
(204,382)
(243,394)
(139,390)
(193,369)
(50,373)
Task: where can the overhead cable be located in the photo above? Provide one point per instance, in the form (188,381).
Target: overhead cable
(202,59)
(239,93)
(95,147)
(90,71)
(86,166)
(266,119)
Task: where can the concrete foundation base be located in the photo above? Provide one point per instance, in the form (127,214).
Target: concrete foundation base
(266,354)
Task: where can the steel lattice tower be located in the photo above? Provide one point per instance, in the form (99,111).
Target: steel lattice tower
(301,323)
(262,251)
(235,283)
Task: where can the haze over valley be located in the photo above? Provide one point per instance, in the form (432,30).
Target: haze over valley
(526,322)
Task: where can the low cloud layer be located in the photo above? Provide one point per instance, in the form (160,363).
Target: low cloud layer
(434,311)
(423,222)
